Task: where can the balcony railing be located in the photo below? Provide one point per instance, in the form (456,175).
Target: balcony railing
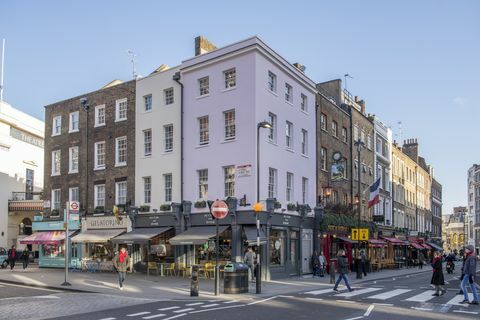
(22,196)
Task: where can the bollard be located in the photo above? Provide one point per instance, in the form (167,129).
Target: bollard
(194,282)
(332,272)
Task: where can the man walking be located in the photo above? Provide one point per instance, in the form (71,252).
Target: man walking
(342,270)
(249,260)
(11,255)
(363,262)
(25,258)
(469,270)
(121,263)
(421,260)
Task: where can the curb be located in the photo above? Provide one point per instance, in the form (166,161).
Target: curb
(46,286)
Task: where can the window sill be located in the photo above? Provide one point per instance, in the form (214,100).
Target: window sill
(229,89)
(272,92)
(229,141)
(273,143)
(99,125)
(147,111)
(98,168)
(73,172)
(289,103)
(168,104)
(203,96)
(73,131)
(324,130)
(55,175)
(289,149)
(117,165)
(146,156)
(304,111)
(120,120)
(56,134)
(305,156)
(166,153)
(202,146)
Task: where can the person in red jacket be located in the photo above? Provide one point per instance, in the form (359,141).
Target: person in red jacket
(11,255)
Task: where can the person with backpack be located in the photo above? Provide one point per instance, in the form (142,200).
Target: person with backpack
(437,277)
(342,270)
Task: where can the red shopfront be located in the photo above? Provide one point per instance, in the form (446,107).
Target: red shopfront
(332,240)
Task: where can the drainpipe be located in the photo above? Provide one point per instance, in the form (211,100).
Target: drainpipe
(176,77)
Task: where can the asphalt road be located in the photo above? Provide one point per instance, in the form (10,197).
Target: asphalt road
(8,290)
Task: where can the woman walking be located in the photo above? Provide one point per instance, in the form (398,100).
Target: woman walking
(25,258)
(342,270)
(437,277)
(11,256)
(121,263)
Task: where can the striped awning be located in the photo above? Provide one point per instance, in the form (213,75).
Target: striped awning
(394,241)
(44,237)
(25,205)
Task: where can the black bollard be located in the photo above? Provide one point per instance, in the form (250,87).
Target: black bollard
(194,288)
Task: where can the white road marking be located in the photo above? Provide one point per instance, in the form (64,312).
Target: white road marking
(177,316)
(318,292)
(169,308)
(184,310)
(154,316)
(356,318)
(384,304)
(345,301)
(138,314)
(462,311)
(369,310)
(422,297)
(194,304)
(210,305)
(221,308)
(314,299)
(389,294)
(459,297)
(260,301)
(108,319)
(233,301)
(422,309)
(357,292)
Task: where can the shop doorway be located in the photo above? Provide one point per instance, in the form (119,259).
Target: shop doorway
(307,250)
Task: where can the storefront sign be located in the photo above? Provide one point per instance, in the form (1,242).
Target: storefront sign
(26,137)
(244,170)
(109,222)
(154,220)
(285,220)
(338,228)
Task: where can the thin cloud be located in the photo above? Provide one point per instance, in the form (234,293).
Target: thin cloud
(459,101)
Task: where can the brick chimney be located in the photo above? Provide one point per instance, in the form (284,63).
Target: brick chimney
(361,103)
(202,45)
(410,148)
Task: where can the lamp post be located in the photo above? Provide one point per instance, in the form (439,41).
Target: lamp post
(257,208)
(86,107)
(359,144)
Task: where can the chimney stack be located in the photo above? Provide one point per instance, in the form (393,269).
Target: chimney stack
(362,105)
(202,45)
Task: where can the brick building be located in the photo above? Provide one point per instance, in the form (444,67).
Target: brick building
(436,209)
(91,161)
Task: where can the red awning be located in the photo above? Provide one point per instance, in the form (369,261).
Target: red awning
(426,246)
(47,237)
(345,239)
(417,245)
(395,241)
(377,242)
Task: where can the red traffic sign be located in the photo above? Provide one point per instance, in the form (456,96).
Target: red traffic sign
(219,209)
(74,205)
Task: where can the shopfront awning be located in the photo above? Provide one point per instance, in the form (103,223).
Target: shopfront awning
(251,235)
(196,235)
(377,242)
(140,235)
(434,246)
(45,237)
(417,245)
(395,241)
(345,239)
(426,246)
(97,236)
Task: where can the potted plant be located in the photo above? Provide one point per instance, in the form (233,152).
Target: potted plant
(99,209)
(291,207)
(200,204)
(121,208)
(165,207)
(277,205)
(144,208)
(55,212)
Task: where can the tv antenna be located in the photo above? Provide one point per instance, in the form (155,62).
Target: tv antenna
(346,75)
(133,60)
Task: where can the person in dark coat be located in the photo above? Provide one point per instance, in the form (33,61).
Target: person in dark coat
(469,270)
(315,262)
(437,277)
(363,262)
(25,258)
(11,255)
(342,270)
(421,260)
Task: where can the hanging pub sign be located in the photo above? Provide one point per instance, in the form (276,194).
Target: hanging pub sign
(338,171)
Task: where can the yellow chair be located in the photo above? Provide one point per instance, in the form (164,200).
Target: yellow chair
(184,270)
(171,269)
(152,266)
(209,270)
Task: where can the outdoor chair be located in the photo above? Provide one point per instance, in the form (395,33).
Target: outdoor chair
(152,266)
(171,269)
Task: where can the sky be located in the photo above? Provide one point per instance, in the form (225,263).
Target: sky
(414,62)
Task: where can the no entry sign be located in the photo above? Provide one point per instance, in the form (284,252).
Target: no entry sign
(219,209)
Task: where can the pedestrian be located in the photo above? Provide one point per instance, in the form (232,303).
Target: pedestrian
(25,258)
(363,262)
(463,275)
(342,270)
(11,255)
(315,263)
(437,277)
(121,263)
(469,270)
(249,260)
(421,260)
(323,264)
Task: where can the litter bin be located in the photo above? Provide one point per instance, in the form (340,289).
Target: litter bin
(235,278)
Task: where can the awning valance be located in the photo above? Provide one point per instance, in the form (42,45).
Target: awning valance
(45,237)
(417,245)
(196,235)
(140,235)
(251,235)
(434,246)
(97,236)
(395,241)
(377,243)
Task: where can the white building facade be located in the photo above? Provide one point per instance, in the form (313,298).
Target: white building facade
(473,226)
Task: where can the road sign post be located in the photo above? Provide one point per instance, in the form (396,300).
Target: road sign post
(219,210)
(66,253)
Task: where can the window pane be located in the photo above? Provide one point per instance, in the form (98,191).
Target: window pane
(147,138)
(148,102)
(204,86)
(147,189)
(229,178)
(204,133)
(168,95)
(230,78)
(168,131)
(203,184)
(168,187)
(229,118)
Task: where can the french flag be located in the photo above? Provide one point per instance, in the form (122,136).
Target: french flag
(374,194)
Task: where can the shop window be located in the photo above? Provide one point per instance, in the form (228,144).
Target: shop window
(52,250)
(277,248)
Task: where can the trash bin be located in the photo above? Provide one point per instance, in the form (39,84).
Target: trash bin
(235,278)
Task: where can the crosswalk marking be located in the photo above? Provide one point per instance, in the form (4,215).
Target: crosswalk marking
(459,297)
(318,292)
(194,304)
(357,292)
(138,314)
(233,301)
(169,308)
(108,319)
(422,297)
(154,316)
(389,294)
(184,310)
(210,305)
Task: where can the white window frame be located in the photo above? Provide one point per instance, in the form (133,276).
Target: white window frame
(229,125)
(203,131)
(229,181)
(323,158)
(147,142)
(120,103)
(73,161)
(335,128)
(167,184)
(288,93)
(147,190)
(118,195)
(230,78)
(289,135)
(56,164)
(303,103)
(97,155)
(272,134)
(204,86)
(97,196)
(202,183)
(147,102)
(304,144)
(272,182)
(73,123)
(99,123)
(117,151)
(323,121)
(168,137)
(56,203)
(73,191)
(289,186)
(272,81)
(168,96)
(344,134)
(56,126)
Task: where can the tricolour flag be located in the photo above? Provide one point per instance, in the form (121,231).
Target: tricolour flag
(374,194)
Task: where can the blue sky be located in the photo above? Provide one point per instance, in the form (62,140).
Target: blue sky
(417,62)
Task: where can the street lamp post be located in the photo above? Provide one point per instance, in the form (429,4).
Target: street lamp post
(359,144)
(86,107)
(258,277)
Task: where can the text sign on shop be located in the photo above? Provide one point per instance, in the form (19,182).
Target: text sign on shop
(360,234)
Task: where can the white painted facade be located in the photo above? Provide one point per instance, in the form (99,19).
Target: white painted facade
(383,169)
(473,226)
(21,148)
(163,160)
(252,101)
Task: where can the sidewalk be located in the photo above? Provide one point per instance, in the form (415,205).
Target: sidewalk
(167,288)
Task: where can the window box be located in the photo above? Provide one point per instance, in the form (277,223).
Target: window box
(277,205)
(121,208)
(55,212)
(165,207)
(144,208)
(200,204)
(291,207)
(99,209)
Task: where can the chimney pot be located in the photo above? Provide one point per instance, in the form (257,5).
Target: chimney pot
(356,98)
